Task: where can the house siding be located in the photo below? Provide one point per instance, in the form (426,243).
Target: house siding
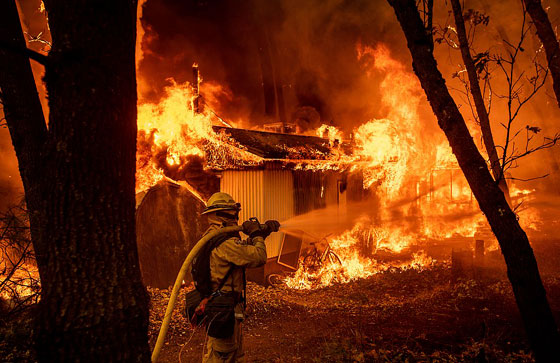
(281,194)
(265,194)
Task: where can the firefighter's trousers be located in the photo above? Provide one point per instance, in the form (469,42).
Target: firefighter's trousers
(228,350)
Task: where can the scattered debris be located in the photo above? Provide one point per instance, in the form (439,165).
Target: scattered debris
(393,316)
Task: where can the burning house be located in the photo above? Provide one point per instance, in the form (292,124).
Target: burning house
(399,199)
(400,178)
(289,175)
(280,187)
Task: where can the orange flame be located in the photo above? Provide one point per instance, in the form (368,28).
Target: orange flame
(421,190)
(352,265)
(171,128)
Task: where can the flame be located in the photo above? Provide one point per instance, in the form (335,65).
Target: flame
(421,191)
(24,281)
(381,144)
(353,265)
(171,134)
(530,217)
(333,134)
(412,177)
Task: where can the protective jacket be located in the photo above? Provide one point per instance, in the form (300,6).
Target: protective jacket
(241,254)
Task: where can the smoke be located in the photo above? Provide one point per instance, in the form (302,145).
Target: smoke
(310,47)
(310,51)
(505,27)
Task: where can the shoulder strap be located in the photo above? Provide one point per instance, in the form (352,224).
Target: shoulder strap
(201,264)
(228,274)
(225,278)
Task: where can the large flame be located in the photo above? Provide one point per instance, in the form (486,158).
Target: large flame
(421,193)
(398,162)
(349,247)
(171,134)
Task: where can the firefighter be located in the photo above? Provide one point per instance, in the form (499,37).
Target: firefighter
(223,211)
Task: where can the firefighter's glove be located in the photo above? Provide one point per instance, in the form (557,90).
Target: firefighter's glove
(251,228)
(268,227)
(272,225)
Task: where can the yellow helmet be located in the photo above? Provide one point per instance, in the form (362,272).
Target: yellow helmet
(221,201)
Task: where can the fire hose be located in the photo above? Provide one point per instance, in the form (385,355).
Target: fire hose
(180,277)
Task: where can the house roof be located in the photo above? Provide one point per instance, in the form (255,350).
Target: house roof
(269,145)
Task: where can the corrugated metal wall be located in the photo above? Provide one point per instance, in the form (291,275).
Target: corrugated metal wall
(265,194)
(279,195)
(309,191)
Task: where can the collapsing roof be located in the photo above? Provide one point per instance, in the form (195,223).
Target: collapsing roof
(268,145)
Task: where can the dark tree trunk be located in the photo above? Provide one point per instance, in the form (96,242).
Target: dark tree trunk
(80,177)
(478,99)
(548,38)
(22,110)
(521,264)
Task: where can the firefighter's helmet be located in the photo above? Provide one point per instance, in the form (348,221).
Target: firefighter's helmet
(221,201)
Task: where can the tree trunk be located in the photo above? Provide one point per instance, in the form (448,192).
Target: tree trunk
(522,268)
(483,117)
(548,38)
(23,113)
(93,305)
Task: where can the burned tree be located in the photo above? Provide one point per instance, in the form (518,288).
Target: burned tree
(548,38)
(522,267)
(78,176)
(481,110)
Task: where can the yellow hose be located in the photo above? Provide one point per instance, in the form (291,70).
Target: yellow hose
(179,281)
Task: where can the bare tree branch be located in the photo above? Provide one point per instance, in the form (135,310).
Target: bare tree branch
(38,39)
(478,100)
(548,38)
(17,282)
(521,264)
(514,97)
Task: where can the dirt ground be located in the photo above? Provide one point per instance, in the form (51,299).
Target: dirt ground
(397,316)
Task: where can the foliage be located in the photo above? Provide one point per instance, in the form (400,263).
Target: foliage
(19,281)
